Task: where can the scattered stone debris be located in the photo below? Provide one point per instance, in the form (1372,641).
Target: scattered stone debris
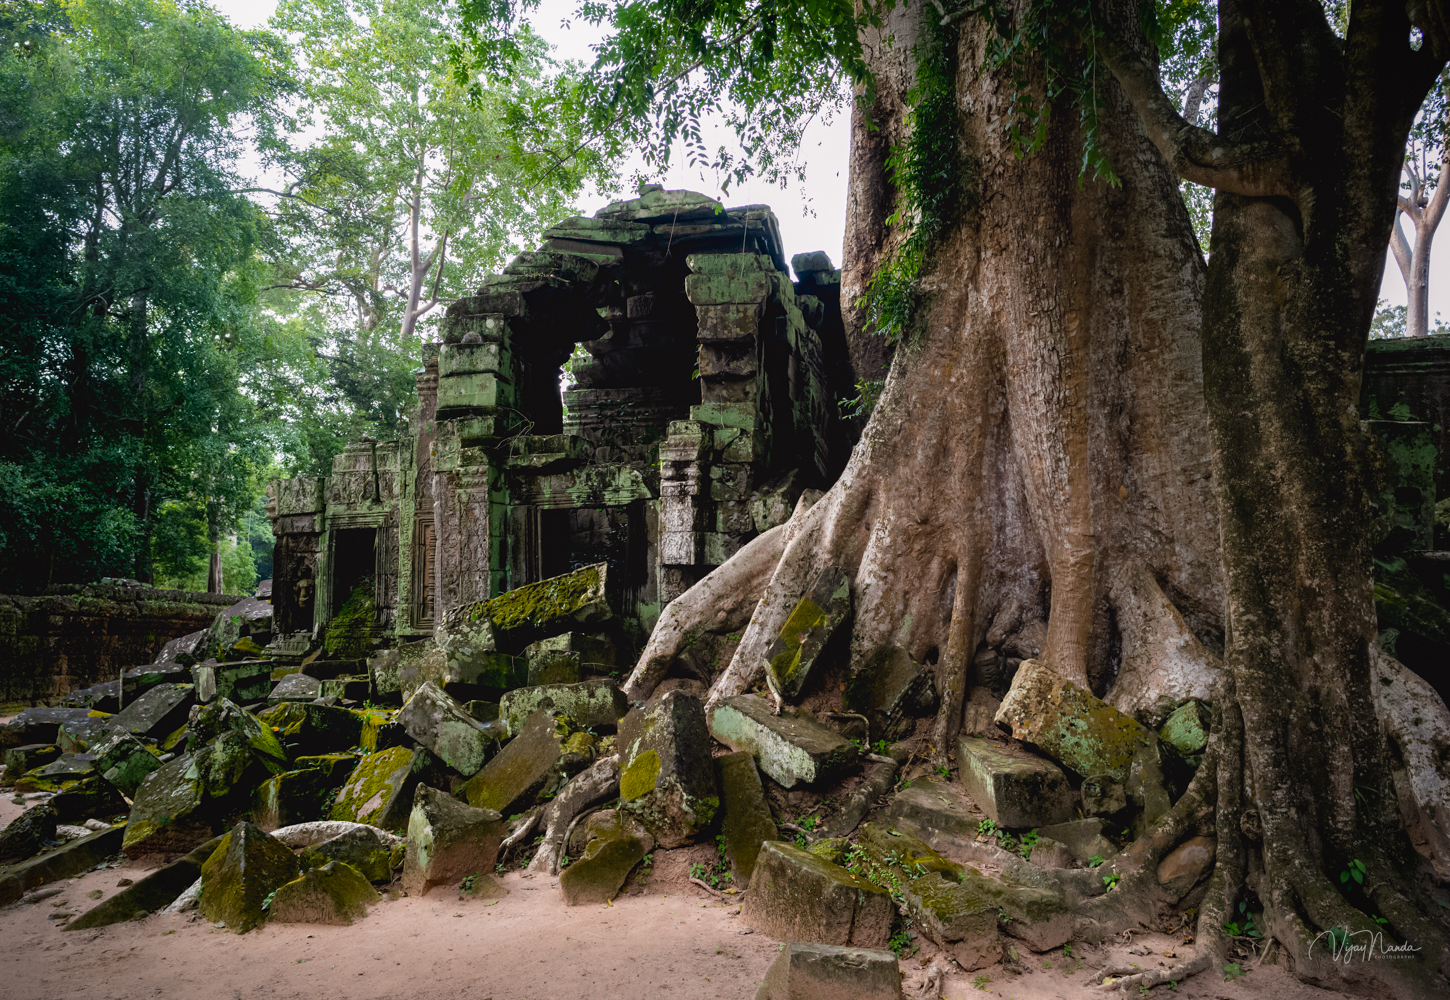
(824,970)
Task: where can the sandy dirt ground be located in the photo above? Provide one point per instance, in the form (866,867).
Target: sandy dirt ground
(669,940)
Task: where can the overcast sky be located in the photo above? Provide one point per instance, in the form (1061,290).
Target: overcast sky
(813,218)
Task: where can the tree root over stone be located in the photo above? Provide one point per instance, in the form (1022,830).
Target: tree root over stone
(601,781)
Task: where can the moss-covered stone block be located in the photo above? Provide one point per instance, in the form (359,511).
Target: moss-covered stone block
(306,729)
(244,870)
(666,776)
(362,847)
(335,893)
(371,794)
(292,797)
(809,970)
(20,759)
(796,896)
(530,764)
(447,841)
(825,607)
(1186,729)
(938,811)
(595,702)
(1011,785)
(1069,724)
(617,844)
(124,762)
(157,712)
(535,611)
(747,822)
(166,813)
(793,751)
(447,729)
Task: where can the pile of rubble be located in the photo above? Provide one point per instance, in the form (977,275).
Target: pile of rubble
(291,792)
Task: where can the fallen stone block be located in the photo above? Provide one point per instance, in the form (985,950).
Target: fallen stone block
(349,687)
(467,665)
(88,799)
(19,760)
(167,814)
(1186,864)
(747,822)
(179,651)
(532,612)
(583,648)
(296,687)
(124,762)
(1070,725)
(810,625)
(1186,729)
(891,690)
(936,811)
(1415,717)
(796,896)
(1011,785)
(448,841)
(806,971)
(667,777)
(1085,839)
(302,796)
(530,764)
(380,789)
(1149,788)
(63,862)
(249,617)
(78,735)
(151,893)
(335,893)
(384,675)
(246,867)
(1049,853)
(443,726)
(37,725)
(364,848)
(886,846)
(237,740)
(1103,795)
(141,679)
(617,843)
(792,751)
(962,921)
(243,680)
(593,703)
(157,713)
(306,729)
(57,776)
(27,833)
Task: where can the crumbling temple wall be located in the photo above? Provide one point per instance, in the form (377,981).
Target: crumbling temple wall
(74,636)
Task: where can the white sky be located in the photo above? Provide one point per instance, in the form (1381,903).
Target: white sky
(816,221)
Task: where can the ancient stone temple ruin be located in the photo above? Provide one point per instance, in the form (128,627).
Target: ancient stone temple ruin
(699,403)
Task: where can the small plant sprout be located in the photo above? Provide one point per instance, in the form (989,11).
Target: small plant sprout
(1355,871)
(1111,881)
(981,983)
(1232,972)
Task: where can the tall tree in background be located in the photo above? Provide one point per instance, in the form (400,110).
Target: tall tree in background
(1053,424)
(1423,196)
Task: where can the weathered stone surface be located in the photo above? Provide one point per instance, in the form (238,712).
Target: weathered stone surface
(302,796)
(60,774)
(577,649)
(1084,838)
(124,762)
(595,702)
(960,920)
(244,680)
(365,848)
(666,777)
(335,893)
(37,725)
(463,669)
(27,833)
(792,751)
(807,971)
(239,745)
(1415,717)
(824,608)
(747,821)
(157,713)
(936,811)
(183,651)
(77,736)
(246,867)
(1186,729)
(617,842)
(1163,663)
(535,611)
(1049,853)
(314,729)
(892,689)
(796,896)
(167,814)
(377,788)
(1186,864)
(296,687)
(1069,724)
(249,617)
(1148,788)
(151,893)
(445,727)
(886,846)
(63,862)
(1011,785)
(384,675)
(448,841)
(530,763)
(1103,795)
(20,759)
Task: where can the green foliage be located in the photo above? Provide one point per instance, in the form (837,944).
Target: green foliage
(1111,881)
(1356,871)
(868,392)
(901,945)
(1245,926)
(1232,972)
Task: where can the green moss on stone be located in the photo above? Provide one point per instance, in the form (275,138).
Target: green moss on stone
(349,634)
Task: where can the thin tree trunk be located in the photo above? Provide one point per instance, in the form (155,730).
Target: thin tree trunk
(1424,210)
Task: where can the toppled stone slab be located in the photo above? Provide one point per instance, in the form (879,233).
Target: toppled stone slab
(448,841)
(157,713)
(796,896)
(302,796)
(960,920)
(150,894)
(667,777)
(1049,853)
(937,811)
(806,971)
(793,751)
(63,862)
(365,848)
(463,669)
(246,867)
(166,814)
(810,625)
(335,893)
(296,687)
(1150,788)
(20,759)
(179,651)
(530,764)
(314,729)
(377,788)
(77,736)
(38,725)
(348,687)
(1084,839)
(891,690)
(1186,864)
(27,833)
(1069,724)
(124,762)
(1186,729)
(535,611)
(1013,787)
(60,774)
(563,659)
(238,740)
(242,680)
(747,821)
(249,617)
(445,728)
(1103,795)
(617,842)
(1415,716)
(595,702)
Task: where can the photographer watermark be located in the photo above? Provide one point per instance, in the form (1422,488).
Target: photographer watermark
(1359,946)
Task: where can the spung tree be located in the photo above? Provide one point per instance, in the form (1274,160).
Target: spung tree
(1087,428)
